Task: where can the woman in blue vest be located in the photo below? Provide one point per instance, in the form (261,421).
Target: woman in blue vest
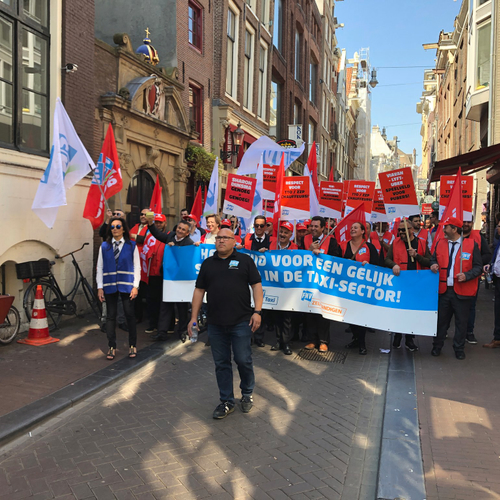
(119,273)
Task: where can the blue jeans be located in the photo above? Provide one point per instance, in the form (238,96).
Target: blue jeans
(222,338)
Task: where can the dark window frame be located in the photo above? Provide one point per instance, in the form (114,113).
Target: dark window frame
(14,13)
(197,90)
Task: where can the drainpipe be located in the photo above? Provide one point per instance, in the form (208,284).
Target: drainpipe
(491,129)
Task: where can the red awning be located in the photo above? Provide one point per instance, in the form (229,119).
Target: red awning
(469,162)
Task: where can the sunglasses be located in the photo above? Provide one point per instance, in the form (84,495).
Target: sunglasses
(118,214)
(117,226)
(143,214)
(260,225)
(402,231)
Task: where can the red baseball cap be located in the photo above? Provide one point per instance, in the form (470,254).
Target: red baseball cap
(453,221)
(269,220)
(160,217)
(226,223)
(301,227)
(287,225)
(307,222)
(191,216)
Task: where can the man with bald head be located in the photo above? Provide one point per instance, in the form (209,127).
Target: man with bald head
(226,277)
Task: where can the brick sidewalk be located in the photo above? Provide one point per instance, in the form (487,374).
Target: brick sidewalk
(314,433)
(459,412)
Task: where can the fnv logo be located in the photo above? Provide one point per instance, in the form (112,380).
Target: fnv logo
(307,296)
(229,207)
(391,210)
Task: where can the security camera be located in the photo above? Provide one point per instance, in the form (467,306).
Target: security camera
(70,68)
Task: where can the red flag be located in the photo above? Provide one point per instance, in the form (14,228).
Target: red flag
(343,229)
(197,209)
(277,195)
(453,209)
(395,227)
(107,175)
(205,196)
(155,203)
(330,177)
(312,163)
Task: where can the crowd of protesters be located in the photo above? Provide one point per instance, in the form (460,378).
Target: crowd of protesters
(126,277)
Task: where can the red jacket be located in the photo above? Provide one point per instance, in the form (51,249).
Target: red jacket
(363,254)
(400,252)
(466,288)
(323,247)
(142,232)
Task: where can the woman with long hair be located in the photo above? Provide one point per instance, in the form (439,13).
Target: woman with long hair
(360,250)
(119,274)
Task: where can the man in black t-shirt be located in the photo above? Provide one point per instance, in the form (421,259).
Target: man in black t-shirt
(226,277)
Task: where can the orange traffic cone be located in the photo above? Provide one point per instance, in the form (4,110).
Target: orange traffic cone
(39,327)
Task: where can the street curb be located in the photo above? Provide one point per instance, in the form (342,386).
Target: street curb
(401,474)
(19,421)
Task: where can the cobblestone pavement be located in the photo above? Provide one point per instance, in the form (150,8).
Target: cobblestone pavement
(459,412)
(314,433)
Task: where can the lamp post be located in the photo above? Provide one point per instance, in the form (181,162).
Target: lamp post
(237,141)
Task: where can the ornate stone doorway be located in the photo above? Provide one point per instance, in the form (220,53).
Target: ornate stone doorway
(139,194)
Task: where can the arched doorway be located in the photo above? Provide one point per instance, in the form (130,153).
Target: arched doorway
(139,194)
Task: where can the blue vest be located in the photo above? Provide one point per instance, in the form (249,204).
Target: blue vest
(118,278)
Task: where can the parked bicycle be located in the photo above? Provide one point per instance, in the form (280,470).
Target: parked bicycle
(56,303)
(10,320)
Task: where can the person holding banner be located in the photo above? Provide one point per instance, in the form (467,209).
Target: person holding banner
(227,277)
(407,257)
(357,248)
(260,241)
(118,275)
(459,264)
(317,327)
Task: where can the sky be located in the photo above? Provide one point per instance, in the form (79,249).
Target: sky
(394,31)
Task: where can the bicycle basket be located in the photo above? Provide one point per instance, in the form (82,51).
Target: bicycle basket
(33,269)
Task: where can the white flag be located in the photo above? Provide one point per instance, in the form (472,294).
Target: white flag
(212,201)
(257,199)
(69,162)
(313,199)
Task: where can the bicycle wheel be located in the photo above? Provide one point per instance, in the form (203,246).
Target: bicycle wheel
(92,299)
(10,327)
(53,302)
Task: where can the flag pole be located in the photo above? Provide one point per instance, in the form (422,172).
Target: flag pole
(408,238)
(461,243)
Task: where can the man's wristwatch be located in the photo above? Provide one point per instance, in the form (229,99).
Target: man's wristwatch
(258,312)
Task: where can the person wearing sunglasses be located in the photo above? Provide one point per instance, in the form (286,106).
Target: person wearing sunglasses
(103,230)
(404,257)
(259,241)
(119,275)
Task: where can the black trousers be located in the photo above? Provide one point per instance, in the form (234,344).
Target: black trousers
(317,329)
(154,295)
(170,310)
(359,334)
(128,309)
(138,301)
(282,321)
(267,321)
(450,305)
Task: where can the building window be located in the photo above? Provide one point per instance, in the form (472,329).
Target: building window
(297,56)
(195,25)
(264,13)
(232,52)
(196,109)
(278,25)
(483,55)
(24,70)
(248,70)
(275,110)
(261,112)
(312,132)
(313,81)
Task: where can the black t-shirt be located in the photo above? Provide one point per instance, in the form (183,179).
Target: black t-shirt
(226,282)
(412,263)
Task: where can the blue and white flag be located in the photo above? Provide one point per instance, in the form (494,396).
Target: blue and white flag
(271,153)
(257,199)
(69,163)
(212,201)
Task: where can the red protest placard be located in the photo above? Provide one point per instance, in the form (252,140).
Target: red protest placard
(295,198)
(427,208)
(378,208)
(447,182)
(330,199)
(360,192)
(269,181)
(399,193)
(268,206)
(240,191)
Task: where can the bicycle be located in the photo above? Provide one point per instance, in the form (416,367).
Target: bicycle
(56,303)
(10,321)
